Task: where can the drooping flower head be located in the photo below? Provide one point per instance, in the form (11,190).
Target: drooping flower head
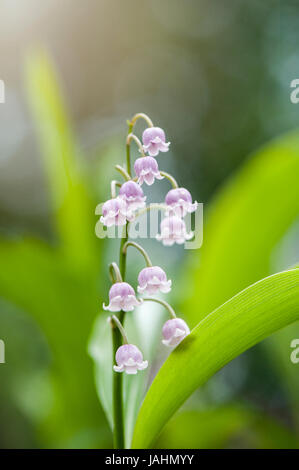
(129,359)
(121,297)
(173,230)
(179,202)
(146,169)
(116,212)
(154,141)
(132,193)
(152,280)
(174,331)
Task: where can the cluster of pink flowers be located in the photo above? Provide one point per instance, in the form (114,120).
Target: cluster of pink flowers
(123,208)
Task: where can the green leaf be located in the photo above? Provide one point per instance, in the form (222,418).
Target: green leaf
(237,325)
(245,221)
(64,167)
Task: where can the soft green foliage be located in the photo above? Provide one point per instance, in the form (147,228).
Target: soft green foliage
(225,426)
(64,168)
(57,284)
(237,325)
(245,222)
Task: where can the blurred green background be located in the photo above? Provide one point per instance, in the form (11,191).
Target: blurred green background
(216,76)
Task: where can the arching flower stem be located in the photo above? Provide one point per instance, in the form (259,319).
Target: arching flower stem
(131,137)
(123,172)
(170,178)
(115,274)
(113,186)
(140,249)
(139,116)
(114,321)
(162,302)
(155,206)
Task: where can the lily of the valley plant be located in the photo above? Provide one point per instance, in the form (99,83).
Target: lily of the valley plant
(120,210)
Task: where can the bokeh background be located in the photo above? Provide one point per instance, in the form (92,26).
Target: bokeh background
(216,76)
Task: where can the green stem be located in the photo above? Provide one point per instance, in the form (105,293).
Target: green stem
(139,116)
(113,186)
(115,322)
(122,255)
(153,205)
(128,150)
(118,412)
(123,172)
(137,142)
(131,125)
(140,249)
(162,302)
(115,273)
(118,418)
(170,178)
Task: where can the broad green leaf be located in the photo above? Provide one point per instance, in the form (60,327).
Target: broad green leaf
(235,326)
(244,223)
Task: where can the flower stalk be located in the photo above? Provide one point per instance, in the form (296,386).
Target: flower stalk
(170,178)
(120,210)
(140,249)
(115,322)
(114,185)
(115,274)
(123,172)
(161,302)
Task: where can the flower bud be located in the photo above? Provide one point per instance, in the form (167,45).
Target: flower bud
(153,279)
(179,202)
(129,359)
(146,169)
(174,331)
(173,230)
(132,193)
(121,297)
(154,141)
(116,212)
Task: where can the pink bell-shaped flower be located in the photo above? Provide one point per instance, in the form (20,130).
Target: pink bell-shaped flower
(173,230)
(174,331)
(132,193)
(121,297)
(153,279)
(147,170)
(179,202)
(116,212)
(129,359)
(154,141)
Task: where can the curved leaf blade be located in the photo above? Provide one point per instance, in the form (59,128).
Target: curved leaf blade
(235,326)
